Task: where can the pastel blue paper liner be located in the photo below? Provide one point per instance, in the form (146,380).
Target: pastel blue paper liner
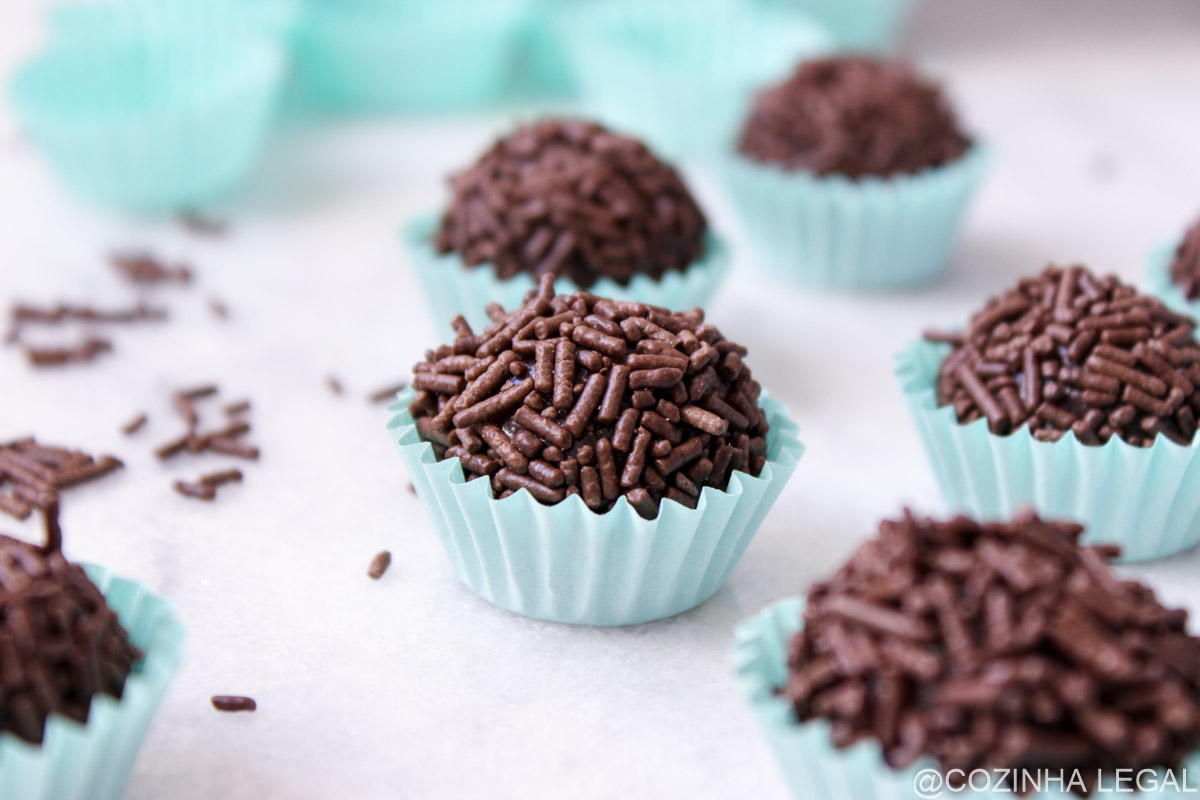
(84,21)
(566,563)
(453,288)
(857,25)
(812,767)
(1147,500)
(681,75)
(151,124)
(381,55)
(873,234)
(545,69)
(1158,282)
(93,761)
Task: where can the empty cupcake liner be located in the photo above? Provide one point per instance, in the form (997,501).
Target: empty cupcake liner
(681,75)
(868,235)
(565,563)
(151,124)
(1159,283)
(857,25)
(93,761)
(381,55)
(453,288)
(811,765)
(1147,500)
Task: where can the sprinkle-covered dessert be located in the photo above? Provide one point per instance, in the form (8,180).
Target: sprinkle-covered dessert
(853,116)
(60,644)
(583,395)
(1069,351)
(572,199)
(998,646)
(1185,269)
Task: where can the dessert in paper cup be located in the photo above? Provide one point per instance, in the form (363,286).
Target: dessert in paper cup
(1174,272)
(592,461)
(953,658)
(572,199)
(853,174)
(1071,394)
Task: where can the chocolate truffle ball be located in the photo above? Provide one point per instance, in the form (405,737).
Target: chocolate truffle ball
(60,644)
(569,198)
(581,395)
(1185,269)
(1069,351)
(998,646)
(853,116)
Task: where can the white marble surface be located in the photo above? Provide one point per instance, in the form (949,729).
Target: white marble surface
(411,687)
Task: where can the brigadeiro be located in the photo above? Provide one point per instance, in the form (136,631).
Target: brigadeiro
(1185,267)
(72,682)
(854,173)
(570,199)
(1004,647)
(1075,394)
(617,456)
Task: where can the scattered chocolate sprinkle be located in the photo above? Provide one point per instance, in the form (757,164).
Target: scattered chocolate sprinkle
(58,356)
(853,116)
(23,314)
(32,474)
(1069,351)
(148,270)
(334,385)
(217,479)
(1185,269)
(61,644)
(240,407)
(599,426)
(388,393)
(232,447)
(570,198)
(218,308)
(135,424)
(412,489)
(379,565)
(199,491)
(232,703)
(202,225)
(1000,646)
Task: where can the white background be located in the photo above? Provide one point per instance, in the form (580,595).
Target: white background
(411,687)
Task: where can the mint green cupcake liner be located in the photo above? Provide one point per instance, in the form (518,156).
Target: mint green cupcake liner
(857,25)
(811,765)
(681,75)
(453,288)
(383,55)
(565,563)
(1147,500)
(545,70)
(93,761)
(148,19)
(868,235)
(159,124)
(1158,282)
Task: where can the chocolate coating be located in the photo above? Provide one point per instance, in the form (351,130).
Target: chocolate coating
(569,198)
(853,116)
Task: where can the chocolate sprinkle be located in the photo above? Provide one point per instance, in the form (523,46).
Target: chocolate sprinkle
(379,565)
(1068,351)
(634,401)
(1185,269)
(853,116)
(148,270)
(233,703)
(570,198)
(135,425)
(388,393)
(32,474)
(996,646)
(61,644)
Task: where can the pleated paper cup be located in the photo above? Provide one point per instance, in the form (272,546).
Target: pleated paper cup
(1159,283)
(85,21)
(681,75)
(151,124)
(387,55)
(857,25)
(453,288)
(566,563)
(1146,499)
(873,234)
(93,761)
(811,765)
(545,69)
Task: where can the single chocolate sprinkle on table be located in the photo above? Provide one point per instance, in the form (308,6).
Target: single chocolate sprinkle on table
(601,425)
(240,407)
(388,393)
(149,270)
(135,424)
(202,225)
(233,703)
(936,633)
(379,565)
(196,491)
(218,308)
(86,351)
(334,385)
(216,479)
